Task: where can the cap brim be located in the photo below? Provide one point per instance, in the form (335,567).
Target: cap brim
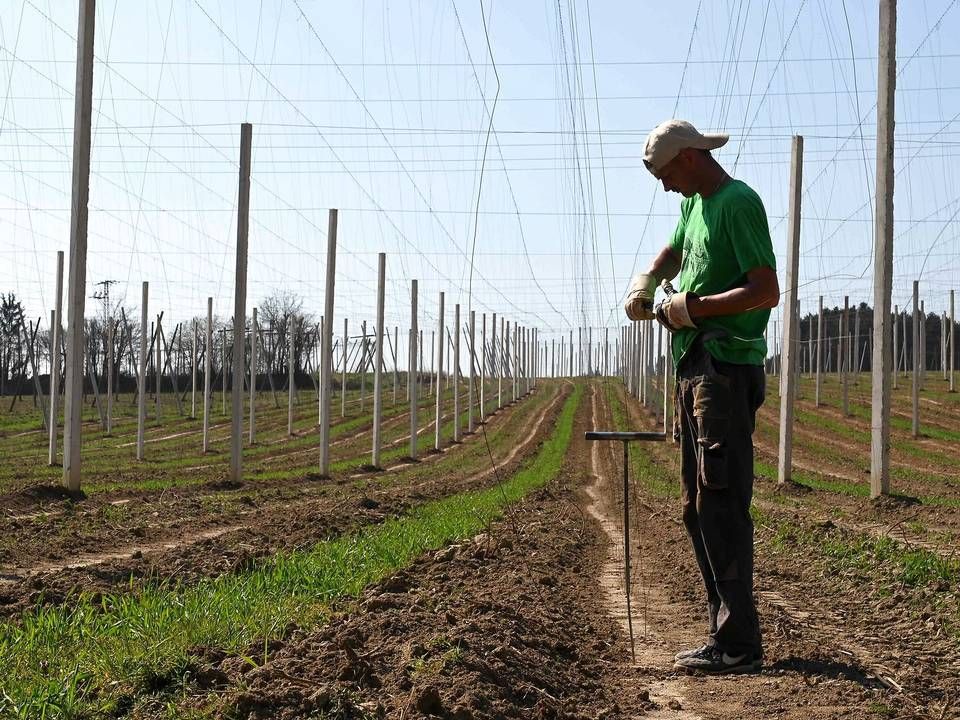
(712,141)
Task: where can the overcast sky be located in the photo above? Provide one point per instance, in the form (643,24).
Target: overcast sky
(383,109)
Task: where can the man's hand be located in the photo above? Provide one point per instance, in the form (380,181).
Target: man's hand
(673,312)
(639,304)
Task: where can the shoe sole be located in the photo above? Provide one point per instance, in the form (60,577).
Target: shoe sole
(733,670)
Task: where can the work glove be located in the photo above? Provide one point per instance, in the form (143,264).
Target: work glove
(639,304)
(672,313)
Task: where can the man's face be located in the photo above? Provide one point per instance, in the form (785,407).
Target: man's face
(678,175)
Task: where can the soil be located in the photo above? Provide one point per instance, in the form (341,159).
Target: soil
(183,536)
(529,620)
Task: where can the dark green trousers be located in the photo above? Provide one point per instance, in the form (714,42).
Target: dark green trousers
(716,405)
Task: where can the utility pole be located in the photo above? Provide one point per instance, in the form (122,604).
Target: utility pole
(80,195)
(883,252)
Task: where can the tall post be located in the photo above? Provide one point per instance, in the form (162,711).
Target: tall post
(789,345)
(240,303)
(142,373)
(439,389)
(223,371)
(845,355)
(819,360)
(73,394)
(856,345)
(55,362)
(483,362)
(343,372)
(254,332)
(396,362)
(193,371)
(326,344)
(915,341)
(157,369)
(456,372)
(896,343)
(516,360)
(471,392)
(110,370)
(378,367)
(498,360)
(207,373)
(952,350)
(291,372)
(883,251)
(413,377)
(363,364)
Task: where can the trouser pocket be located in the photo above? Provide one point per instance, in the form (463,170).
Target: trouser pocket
(711,408)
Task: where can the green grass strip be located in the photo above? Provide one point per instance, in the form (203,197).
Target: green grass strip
(93,660)
(643,465)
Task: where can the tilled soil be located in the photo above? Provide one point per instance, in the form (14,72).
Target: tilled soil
(528,620)
(187,537)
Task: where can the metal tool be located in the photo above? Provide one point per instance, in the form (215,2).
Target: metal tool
(626,438)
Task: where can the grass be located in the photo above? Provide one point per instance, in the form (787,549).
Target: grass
(643,466)
(885,559)
(97,658)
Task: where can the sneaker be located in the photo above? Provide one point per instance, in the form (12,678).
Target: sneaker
(714,661)
(683,654)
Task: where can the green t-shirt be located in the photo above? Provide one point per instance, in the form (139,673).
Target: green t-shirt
(720,239)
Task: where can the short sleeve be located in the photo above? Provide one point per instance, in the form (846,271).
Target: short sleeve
(750,234)
(679,234)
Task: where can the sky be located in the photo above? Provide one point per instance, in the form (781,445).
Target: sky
(492,150)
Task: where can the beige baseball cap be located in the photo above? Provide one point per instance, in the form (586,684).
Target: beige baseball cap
(668,138)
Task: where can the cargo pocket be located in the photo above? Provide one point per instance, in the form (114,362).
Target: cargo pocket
(711,408)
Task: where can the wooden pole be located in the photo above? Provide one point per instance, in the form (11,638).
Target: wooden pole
(55,363)
(207,376)
(343,372)
(790,343)
(254,332)
(396,362)
(157,368)
(80,193)
(456,372)
(412,367)
(952,348)
(326,345)
(439,396)
(896,342)
(819,356)
(193,371)
(240,303)
(844,356)
(378,362)
(915,341)
(142,373)
(483,362)
(471,390)
(883,251)
(363,364)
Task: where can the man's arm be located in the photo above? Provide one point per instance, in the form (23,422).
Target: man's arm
(665,265)
(760,291)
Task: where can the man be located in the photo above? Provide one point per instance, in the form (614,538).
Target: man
(722,250)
